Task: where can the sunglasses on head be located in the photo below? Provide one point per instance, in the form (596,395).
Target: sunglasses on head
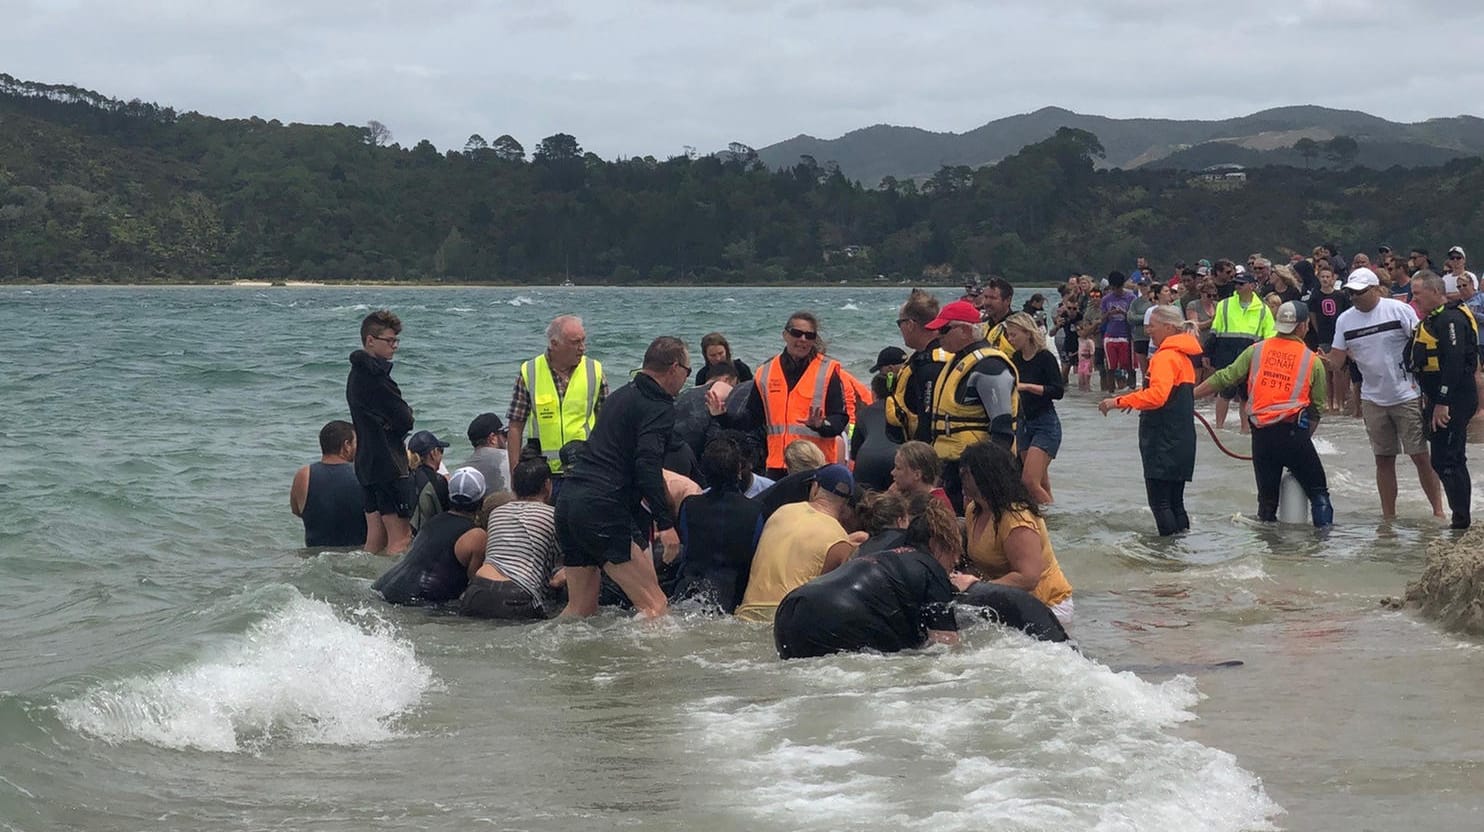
(806,334)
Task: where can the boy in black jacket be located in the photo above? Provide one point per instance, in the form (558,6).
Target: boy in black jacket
(382,419)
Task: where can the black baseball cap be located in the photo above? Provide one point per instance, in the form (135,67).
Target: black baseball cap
(890,355)
(485,424)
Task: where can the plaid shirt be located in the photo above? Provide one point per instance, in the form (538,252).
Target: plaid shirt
(520,397)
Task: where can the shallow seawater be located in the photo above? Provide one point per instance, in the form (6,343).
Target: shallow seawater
(172,660)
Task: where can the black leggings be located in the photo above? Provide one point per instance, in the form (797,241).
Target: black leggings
(1450,460)
(1167,501)
(1284,445)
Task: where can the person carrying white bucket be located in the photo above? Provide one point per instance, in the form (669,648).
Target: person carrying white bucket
(1284,381)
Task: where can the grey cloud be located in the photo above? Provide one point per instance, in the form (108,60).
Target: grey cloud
(648,76)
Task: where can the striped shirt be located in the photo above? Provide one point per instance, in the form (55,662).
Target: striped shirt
(522,544)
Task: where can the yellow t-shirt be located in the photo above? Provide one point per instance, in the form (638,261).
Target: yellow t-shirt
(988,561)
(790,552)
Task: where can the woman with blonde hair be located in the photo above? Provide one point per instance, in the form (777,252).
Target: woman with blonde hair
(1038,430)
(916,472)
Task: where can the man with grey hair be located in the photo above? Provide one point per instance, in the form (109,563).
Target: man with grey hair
(1445,354)
(557,395)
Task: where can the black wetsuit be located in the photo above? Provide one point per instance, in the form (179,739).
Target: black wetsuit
(918,392)
(333,514)
(1451,384)
(887,602)
(429,573)
(719,530)
(873,451)
(887,539)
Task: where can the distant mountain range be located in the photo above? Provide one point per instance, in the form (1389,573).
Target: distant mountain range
(1262,138)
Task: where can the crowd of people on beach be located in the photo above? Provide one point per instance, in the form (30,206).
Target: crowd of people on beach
(863,515)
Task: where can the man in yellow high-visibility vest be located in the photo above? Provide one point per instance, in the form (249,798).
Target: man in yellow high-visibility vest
(557,395)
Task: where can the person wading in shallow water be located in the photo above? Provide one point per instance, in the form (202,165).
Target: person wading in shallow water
(974,398)
(326,495)
(797,395)
(1286,392)
(617,492)
(557,395)
(1166,418)
(382,419)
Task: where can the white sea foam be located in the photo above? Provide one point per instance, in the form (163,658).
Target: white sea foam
(302,675)
(520,300)
(1017,735)
(359,307)
(1325,447)
(460,309)
(850,307)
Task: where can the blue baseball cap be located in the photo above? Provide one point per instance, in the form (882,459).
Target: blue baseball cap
(423,442)
(836,479)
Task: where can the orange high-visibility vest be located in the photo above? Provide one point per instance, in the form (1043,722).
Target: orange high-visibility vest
(858,396)
(786,410)
(857,393)
(1278,381)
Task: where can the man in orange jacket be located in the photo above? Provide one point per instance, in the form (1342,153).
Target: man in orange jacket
(1166,418)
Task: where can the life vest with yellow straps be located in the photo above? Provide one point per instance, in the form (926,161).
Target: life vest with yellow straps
(958,424)
(899,412)
(1425,345)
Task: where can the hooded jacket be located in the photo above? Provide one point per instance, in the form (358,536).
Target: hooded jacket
(381,418)
(1167,410)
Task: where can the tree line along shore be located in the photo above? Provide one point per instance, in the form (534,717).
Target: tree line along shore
(93,189)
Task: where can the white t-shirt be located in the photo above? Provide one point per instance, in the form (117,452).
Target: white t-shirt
(1379,342)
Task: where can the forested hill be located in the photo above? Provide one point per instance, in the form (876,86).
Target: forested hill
(871,153)
(93,188)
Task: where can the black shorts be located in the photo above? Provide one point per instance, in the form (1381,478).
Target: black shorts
(593,532)
(504,600)
(1141,348)
(393,498)
(1237,391)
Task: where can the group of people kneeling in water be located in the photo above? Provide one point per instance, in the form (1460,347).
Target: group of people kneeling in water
(832,566)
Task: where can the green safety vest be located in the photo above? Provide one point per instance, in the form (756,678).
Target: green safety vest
(557,419)
(1232,321)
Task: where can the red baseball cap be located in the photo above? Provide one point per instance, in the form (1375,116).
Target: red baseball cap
(960,311)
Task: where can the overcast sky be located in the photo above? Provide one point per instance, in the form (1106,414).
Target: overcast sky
(636,77)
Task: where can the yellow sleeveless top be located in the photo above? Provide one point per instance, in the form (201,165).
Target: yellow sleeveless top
(988,561)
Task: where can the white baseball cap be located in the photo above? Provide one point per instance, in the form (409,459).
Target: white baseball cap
(466,487)
(1362,279)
